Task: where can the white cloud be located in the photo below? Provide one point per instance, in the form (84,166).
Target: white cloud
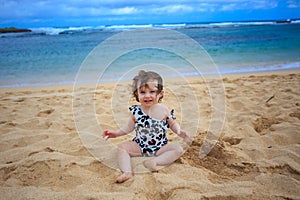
(293,4)
(229,7)
(124,11)
(249,5)
(173,9)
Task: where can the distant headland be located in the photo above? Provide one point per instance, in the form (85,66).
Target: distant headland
(13,30)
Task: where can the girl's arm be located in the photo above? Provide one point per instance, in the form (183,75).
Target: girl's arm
(174,126)
(126,129)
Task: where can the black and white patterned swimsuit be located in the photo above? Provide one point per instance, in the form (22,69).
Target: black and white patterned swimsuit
(150,133)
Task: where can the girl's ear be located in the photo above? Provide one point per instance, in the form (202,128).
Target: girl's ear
(161,95)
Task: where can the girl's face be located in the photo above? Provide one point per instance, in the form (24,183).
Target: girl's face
(148,94)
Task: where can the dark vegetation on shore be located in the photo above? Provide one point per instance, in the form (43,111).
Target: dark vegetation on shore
(13,30)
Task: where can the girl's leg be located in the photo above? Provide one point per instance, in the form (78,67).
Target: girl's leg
(165,156)
(126,150)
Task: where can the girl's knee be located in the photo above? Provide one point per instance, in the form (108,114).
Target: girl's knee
(129,147)
(178,149)
(123,147)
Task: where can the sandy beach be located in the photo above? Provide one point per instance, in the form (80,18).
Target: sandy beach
(257,155)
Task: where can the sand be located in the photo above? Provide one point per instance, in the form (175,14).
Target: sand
(256,155)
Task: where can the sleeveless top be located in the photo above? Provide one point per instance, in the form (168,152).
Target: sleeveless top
(150,132)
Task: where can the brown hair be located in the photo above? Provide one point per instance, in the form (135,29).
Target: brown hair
(142,78)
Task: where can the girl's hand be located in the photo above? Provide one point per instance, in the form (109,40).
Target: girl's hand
(109,134)
(186,137)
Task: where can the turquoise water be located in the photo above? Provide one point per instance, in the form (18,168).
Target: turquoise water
(52,56)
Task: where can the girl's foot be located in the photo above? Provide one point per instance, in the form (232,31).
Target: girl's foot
(151,165)
(123,177)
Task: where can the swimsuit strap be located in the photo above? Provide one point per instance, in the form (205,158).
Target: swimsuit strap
(171,115)
(136,111)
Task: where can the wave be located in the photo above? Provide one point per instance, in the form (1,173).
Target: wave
(295,21)
(128,27)
(60,30)
(171,25)
(263,68)
(72,30)
(241,23)
(88,29)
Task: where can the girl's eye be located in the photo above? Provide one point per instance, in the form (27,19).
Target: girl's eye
(152,91)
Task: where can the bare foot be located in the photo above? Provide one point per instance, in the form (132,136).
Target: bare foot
(151,165)
(123,177)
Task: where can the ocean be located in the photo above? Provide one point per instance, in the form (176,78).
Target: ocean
(53,56)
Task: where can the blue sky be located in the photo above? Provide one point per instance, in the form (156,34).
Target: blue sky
(45,13)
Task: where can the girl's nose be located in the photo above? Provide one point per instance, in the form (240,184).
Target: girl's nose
(147,94)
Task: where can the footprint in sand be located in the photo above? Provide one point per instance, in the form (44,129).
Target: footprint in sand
(45,113)
(47,149)
(232,140)
(41,173)
(35,124)
(264,123)
(295,114)
(20,100)
(237,105)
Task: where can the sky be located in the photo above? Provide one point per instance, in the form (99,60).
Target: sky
(61,13)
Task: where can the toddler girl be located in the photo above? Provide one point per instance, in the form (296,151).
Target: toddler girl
(150,120)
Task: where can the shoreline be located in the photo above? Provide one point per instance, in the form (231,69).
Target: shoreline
(65,86)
